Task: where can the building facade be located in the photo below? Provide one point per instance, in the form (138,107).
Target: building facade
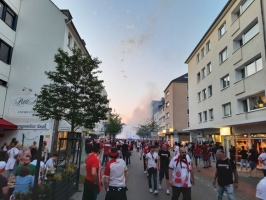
(176,110)
(41,29)
(227,78)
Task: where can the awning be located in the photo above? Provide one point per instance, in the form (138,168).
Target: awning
(7,125)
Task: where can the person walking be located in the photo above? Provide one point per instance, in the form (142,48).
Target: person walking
(106,148)
(262,159)
(244,156)
(33,149)
(11,164)
(152,166)
(181,175)
(92,183)
(163,166)
(145,150)
(115,177)
(197,155)
(125,152)
(226,176)
(253,159)
(260,189)
(205,156)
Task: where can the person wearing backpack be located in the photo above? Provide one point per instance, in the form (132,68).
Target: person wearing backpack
(226,176)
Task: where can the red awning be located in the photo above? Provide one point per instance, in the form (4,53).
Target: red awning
(7,125)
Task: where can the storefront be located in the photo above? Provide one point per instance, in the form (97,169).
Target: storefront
(246,140)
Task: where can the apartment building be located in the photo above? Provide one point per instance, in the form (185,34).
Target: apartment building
(8,28)
(176,110)
(161,121)
(40,29)
(227,78)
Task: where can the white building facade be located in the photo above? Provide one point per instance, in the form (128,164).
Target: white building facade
(41,29)
(227,82)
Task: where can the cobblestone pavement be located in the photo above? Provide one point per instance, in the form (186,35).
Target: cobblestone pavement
(203,189)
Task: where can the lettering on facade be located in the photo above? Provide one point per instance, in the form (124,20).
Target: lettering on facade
(20,101)
(35,126)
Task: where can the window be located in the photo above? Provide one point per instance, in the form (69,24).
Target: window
(205,116)
(245,5)
(188,111)
(204,94)
(167,104)
(203,72)
(202,53)
(208,46)
(187,124)
(225,81)
(245,36)
(167,93)
(210,90)
(69,40)
(222,30)
(200,117)
(5,52)
(249,69)
(198,77)
(3,83)
(211,114)
(167,126)
(254,102)
(167,115)
(8,15)
(209,68)
(187,99)
(75,46)
(223,55)
(227,109)
(199,99)
(198,58)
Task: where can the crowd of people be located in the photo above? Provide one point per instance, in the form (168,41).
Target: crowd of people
(18,171)
(175,165)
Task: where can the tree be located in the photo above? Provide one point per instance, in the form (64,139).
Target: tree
(145,129)
(75,92)
(114,125)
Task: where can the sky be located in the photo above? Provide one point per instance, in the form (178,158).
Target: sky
(142,44)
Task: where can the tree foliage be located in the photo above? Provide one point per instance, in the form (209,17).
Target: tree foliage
(114,125)
(75,92)
(144,130)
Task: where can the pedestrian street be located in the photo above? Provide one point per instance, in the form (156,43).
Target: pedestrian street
(202,190)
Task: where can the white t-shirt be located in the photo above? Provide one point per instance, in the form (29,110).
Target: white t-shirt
(50,163)
(261,191)
(115,169)
(151,159)
(42,165)
(183,174)
(177,150)
(263,158)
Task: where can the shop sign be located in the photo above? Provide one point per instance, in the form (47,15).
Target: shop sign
(33,126)
(225,131)
(21,105)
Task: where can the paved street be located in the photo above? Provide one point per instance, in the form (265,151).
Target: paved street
(203,189)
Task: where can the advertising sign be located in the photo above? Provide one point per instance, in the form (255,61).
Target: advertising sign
(21,105)
(33,126)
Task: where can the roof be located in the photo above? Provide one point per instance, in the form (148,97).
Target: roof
(180,79)
(68,14)
(212,25)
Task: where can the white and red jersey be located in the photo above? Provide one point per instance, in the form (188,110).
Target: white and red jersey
(106,148)
(115,169)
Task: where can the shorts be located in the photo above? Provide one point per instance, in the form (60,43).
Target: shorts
(164,172)
(252,165)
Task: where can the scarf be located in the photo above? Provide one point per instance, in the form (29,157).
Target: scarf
(178,168)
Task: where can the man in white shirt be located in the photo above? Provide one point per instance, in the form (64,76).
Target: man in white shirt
(260,191)
(51,161)
(262,159)
(151,163)
(181,175)
(42,165)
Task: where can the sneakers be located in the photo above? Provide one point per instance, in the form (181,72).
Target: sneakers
(150,190)
(160,187)
(155,192)
(167,192)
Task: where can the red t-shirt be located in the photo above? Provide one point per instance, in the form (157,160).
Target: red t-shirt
(92,161)
(146,150)
(106,148)
(197,151)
